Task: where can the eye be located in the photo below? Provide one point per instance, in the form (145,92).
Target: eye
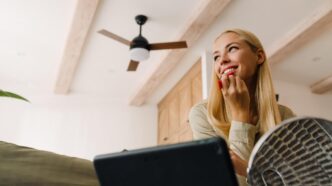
(216,58)
(232,48)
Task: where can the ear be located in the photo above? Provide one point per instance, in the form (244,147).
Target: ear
(260,56)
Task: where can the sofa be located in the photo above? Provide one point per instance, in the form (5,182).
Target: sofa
(26,166)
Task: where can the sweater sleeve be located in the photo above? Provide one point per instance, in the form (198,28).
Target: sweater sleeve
(199,123)
(241,138)
(241,135)
(241,141)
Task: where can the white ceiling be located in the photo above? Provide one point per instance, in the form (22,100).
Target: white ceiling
(108,75)
(33,36)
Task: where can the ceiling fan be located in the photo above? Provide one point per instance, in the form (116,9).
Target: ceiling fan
(139,46)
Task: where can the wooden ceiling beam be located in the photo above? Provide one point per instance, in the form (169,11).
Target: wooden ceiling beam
(83,17)
(322,86)
(305,31)
(202,18)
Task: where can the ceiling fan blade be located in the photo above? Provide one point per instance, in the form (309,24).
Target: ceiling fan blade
(114,36)
(132,65)
(168,45)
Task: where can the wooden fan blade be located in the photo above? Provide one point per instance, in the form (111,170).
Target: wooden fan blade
(114,36)
(168,45)
(132,65)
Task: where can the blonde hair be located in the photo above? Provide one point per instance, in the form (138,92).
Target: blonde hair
(267,107)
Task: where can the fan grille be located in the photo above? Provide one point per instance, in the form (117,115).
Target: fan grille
(297,153)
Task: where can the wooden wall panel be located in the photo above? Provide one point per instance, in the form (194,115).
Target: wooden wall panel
(196,85)
(163,126)
(185,104)
(173,123)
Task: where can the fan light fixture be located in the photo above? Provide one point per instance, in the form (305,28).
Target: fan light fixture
(139,54)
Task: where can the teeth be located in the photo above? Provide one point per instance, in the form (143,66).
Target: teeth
(229,70)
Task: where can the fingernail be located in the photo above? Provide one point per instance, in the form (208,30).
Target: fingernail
(220,84)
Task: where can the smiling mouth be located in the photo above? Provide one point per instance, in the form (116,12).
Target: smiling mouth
(230,71)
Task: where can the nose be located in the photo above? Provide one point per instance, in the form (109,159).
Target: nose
(224,59)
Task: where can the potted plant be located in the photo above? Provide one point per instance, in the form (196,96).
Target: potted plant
(11,95)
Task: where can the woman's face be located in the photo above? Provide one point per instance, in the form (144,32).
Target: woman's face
(232,55)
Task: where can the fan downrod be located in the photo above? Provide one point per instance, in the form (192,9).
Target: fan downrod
(141,19)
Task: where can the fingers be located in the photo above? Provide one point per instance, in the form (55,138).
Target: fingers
(225,82)
(236,95)
(228,82)
(232,82)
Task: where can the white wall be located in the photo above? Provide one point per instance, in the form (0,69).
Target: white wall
(302,101)
(77,126)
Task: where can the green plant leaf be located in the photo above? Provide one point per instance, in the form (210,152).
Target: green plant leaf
(12,95)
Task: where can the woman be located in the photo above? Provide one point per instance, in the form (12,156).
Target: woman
(241,105)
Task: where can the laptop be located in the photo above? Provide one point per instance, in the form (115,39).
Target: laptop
(195,163)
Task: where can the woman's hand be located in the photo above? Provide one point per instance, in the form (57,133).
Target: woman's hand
(236,96)
(239,164)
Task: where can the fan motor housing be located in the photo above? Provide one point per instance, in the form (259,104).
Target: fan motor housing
(140,42)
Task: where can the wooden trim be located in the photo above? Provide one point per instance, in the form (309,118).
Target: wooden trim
(199,22)
(83,17)
(322,86)
(306,30)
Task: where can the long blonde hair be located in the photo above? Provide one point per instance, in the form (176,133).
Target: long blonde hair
(267,107)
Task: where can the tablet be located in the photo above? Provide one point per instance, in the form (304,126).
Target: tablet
(196,163)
